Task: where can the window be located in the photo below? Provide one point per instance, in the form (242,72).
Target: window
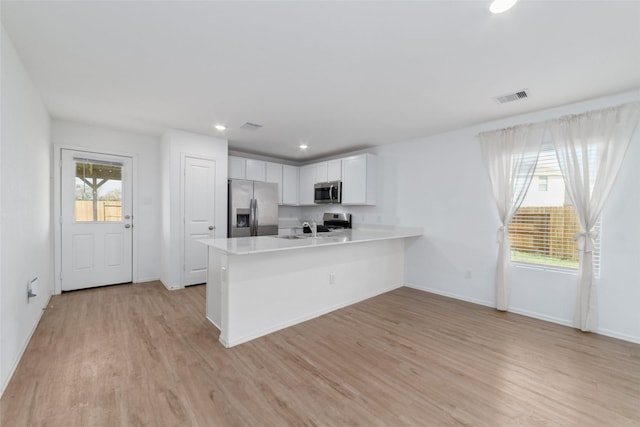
(543,183)
(98,191)
(542,230)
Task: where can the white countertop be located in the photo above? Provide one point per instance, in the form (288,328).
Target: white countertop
(260,244)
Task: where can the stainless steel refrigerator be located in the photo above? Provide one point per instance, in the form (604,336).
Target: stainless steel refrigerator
(253,208)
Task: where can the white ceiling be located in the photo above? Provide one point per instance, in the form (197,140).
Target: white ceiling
(337,75)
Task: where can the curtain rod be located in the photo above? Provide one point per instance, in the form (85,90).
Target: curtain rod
(635,104)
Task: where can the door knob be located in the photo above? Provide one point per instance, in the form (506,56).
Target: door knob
(127,226)
(211,227)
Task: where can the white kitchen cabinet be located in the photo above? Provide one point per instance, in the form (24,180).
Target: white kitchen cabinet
(307,181)
(237,168)
(290,184)
(321,172)
(359,180)
(334,170)
(329,171)
(274,175)
(256,170)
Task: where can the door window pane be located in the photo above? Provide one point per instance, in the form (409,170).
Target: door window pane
(98,191)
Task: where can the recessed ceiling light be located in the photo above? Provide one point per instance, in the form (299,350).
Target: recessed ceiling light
(220,127)
(499,6)
(303,146)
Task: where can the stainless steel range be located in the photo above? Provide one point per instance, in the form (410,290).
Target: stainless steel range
(336,221)
(331,222)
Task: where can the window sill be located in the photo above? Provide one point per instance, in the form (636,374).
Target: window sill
(550,268)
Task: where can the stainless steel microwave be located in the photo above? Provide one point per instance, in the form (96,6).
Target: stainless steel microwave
(328,192)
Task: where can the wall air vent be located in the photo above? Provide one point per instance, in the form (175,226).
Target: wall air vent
(510,97)
(250,126)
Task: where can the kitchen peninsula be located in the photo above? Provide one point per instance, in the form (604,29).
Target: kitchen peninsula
(258,285)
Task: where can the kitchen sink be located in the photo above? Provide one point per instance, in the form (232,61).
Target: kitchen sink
(321,237)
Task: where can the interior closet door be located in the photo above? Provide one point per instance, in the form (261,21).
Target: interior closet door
(199,218)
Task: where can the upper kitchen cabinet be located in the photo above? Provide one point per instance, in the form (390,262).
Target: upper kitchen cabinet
(290,185)
(307,181)
(237,168)
(334,170)
(274,174)
(329,171)
(241,168)
(256,170)
(359,179)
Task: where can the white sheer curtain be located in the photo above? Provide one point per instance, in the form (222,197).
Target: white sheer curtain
(590,149)
(510,156)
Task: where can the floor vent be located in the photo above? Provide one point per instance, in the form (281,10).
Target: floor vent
(250,126)
(510,97)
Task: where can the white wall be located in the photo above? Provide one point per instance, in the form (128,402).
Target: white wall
(175,144)
(147,212)
(26,248)
(440,183)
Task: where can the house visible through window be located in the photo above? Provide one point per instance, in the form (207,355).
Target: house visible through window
(543,183)
(542,231)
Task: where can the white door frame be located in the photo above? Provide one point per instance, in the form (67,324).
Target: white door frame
(56,212)
(183,231)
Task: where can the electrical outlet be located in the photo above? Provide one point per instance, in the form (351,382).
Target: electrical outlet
(332,278)
(32,288)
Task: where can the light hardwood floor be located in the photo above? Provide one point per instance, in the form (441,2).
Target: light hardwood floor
(141,355)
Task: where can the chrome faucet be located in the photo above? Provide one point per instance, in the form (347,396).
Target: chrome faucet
(313,227)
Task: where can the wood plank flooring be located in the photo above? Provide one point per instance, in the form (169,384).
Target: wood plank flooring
(139,355)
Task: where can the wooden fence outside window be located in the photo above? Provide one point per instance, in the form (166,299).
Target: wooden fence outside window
(546,232)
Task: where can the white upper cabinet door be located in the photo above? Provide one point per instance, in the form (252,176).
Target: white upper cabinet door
(274,174)
(290,184)
(307,181)
(256,170)
(237,168)
(321,172)
(359,180)
(334,170)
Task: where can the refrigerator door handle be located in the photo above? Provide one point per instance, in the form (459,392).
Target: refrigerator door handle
(255,216)
(251,218)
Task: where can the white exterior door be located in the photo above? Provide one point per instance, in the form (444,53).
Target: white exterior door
(199,209)
(96,220)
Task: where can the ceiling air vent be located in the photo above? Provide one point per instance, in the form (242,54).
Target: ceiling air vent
(510,97)
(250,126)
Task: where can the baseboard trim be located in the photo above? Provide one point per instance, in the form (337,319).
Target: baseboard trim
(304,318)
(170,288)
(146,279)
(533,314)
(23,349)
(451,295)
(527,313)
(618,335)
